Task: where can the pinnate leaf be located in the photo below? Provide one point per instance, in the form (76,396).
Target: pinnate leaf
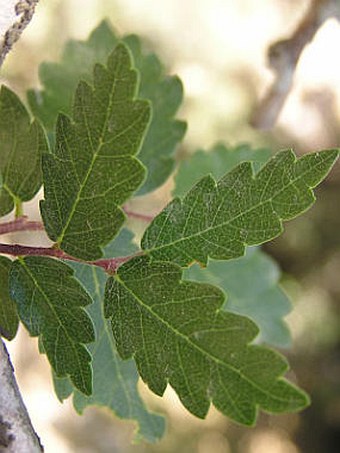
(22,143)
(93,169)
(178,334)
(9,320)
(218,220)
(164,92)
(114,379)
(251,287)
(50,303)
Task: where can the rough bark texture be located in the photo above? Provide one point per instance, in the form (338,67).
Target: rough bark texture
(24,11)
(16,431)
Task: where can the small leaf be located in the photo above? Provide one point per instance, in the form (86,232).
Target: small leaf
(9,320)
(50,303)
(164,92)
(114,380)
(94,169)
(251,286)
(178,334)
(22,143)
(218,220)
(217,161)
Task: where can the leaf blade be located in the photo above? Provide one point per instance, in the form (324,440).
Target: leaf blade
(22,143)
(50,304)
(218,220)
(164,92)
(177,333)
(217,161)
(94,168)
(251,287)
(114,380)
(9,320)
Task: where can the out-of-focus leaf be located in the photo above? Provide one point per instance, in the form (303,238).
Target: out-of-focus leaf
(114,380)
(251,286)
(217,161)
(165,93)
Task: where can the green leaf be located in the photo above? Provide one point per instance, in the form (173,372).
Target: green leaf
(114,380)
(218,220)
(94,169)
(251,286)
(22,143)
(50,303)
(9,320)
(164,92)
(178,334)
(217,161)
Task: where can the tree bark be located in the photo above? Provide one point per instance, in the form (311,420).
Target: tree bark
(16,431)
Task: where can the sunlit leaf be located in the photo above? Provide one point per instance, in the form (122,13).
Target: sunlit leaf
(93,169)
(164,92)
(219,219)
(178,334)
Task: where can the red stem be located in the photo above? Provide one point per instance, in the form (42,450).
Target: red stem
(136,215)
(20,224)
(110,265)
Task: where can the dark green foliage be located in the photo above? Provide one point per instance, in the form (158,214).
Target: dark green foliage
(177,333)
(93,169)
(22,143)
(9,320)
(219,219)
(50,303)
(164,92)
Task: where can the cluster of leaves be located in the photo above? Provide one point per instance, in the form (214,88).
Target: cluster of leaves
(156,310)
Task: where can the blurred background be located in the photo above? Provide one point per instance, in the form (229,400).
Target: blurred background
(219,49)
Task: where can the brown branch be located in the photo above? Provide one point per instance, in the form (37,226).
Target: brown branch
(16,431)
(283,57)
(110,265)
(25,9)
(20,224)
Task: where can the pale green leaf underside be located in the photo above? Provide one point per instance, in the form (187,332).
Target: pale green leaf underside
(93,169)
(178,334)
(165,93)
(217,161)
(114,379)
(9,320)
(50,303)
(251,287)
(22,143)
(218,220)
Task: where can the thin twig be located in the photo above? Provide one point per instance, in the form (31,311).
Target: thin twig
(110,265)
(20,224)
(25,9)
(283,57)
(137,215)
